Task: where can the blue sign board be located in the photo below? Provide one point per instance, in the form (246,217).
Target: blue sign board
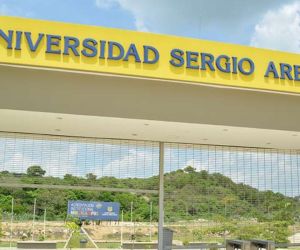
(94,210)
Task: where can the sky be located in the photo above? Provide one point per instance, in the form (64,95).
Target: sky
(273,24)
(264,169)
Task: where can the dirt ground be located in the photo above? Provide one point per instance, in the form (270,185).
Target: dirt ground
(105,231)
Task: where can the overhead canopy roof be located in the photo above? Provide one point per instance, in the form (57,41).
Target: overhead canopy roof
(57,79)
(88,105)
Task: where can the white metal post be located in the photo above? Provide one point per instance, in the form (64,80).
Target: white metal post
(11,222)
(131,220)
(45,215)
(122,221)
(33,219)
(150,224)
(131,211)
(161,196)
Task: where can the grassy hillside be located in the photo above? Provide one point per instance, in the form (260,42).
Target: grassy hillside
(189,195)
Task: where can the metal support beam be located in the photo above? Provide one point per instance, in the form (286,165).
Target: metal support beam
(161,196)
(69,187)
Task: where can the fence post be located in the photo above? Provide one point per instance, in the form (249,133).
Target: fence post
(161,196)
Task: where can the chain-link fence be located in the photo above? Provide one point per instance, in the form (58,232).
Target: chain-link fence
(212,193)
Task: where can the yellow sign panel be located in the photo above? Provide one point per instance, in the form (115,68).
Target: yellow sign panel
(97,49)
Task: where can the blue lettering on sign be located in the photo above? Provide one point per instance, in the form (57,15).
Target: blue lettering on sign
(226,67)
(147,50)
(272,69)
(146,54)
(206,61)
(132,51)
(94,210)
(112,48)
(241,66)
(18,40)
(90,49)
(71,43)
(283,71)
(177,59)
(53,40)
(192,57)
(33,46)
(8,38)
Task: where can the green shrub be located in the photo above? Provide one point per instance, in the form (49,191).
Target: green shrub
(185,242)
(277,231)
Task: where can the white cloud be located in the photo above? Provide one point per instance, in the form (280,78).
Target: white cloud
(140,25)
(279,29)
(18,159)
(230,21)
(105,4)
(136,164)
(57,158)
(54,166)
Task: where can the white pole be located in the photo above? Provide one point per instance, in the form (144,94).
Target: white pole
(68,240)
(45,214)
(150,233)
(131,219)
(33,219)
(122,220)
(134,237)
(93,242)
(161,196)
(131,211)
(11,222)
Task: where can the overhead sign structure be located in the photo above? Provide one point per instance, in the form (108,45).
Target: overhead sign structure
(93,210)
(104,50)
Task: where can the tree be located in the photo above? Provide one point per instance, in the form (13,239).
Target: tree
(68,177)
(91,177)
(189,169)
(35,171)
